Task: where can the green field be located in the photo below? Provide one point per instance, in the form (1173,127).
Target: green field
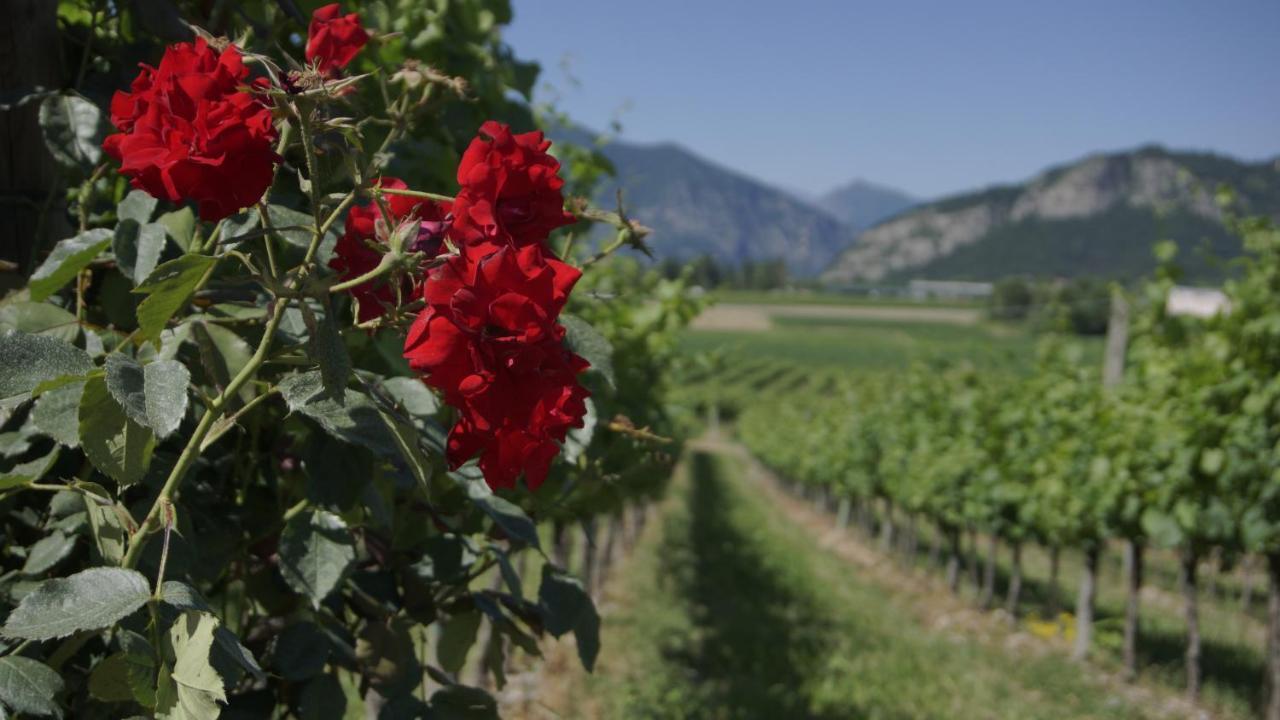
(729,610)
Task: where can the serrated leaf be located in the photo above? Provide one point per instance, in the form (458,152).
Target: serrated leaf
(137,248)
(28,472)
(153,395)
(57,413)
(587,342)
(180,225)
(89,600)
(167,289)
(47,552)
(457,635)
(68,258)
(27,361)
(109,681)
(578,440)
(137,206)
(29,686)
(566,606)
(107,520)
(316,551)
(115,444)
(184,597)
(506,515)
(199,686)
(355,420)
(39,318)
(70,125)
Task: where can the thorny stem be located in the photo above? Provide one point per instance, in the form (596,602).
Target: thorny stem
(192,450)
(167,510)
(415,193)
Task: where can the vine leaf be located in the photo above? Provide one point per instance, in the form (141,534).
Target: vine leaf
(89,600)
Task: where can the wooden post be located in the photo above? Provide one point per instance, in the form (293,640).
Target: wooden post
(1086,602)
(1117,340)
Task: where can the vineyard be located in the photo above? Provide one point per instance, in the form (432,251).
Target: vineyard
(343,375)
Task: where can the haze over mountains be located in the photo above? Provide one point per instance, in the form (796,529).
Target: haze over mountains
(1099,215)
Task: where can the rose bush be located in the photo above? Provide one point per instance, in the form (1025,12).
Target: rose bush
(227,485)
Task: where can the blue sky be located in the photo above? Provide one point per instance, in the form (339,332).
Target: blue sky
(930,97)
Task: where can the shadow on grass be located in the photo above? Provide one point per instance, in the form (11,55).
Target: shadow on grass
(758,635)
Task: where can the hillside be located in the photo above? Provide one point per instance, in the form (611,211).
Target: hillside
(861,204)
(1097,216)
(697,207)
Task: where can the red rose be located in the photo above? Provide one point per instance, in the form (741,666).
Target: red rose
(190,130)
(510,189)
(364,242)
(489,341)
(334,39)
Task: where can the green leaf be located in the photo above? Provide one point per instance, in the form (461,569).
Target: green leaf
(89,600)
(38,318)
(355,420)
(180,226)
(578,440)
(154,395)
(583,339)
(68,258)
(506,515)
(47,552)
(300,652)
(109,681)
(57,413)
(322,699)
(26,361)
(326,348)
(412,396)
(223,354)
(137,206)
(29,686)
(115,444)
(457,635)
(167,289)
(141,666)
(184,597)
(337,473)
(108,521)
(199,687)
(137,248)
(565,605)
(316,551)
(28,472)
(71,126)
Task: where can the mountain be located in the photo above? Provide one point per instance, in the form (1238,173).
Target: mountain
(1097,216)
(697,207)
(861,204)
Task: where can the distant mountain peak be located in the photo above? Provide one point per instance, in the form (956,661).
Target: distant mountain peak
(861,203)
(1097,215)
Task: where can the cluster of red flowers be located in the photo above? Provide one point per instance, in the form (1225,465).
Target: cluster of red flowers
(488,338)
(188,131)
(193,129)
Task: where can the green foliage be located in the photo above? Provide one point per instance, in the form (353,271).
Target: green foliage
(203,462)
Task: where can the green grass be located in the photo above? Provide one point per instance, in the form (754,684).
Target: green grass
(868,344)
(806,297)
(732,612)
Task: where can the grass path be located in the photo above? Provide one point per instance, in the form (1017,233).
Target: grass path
(738,605)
